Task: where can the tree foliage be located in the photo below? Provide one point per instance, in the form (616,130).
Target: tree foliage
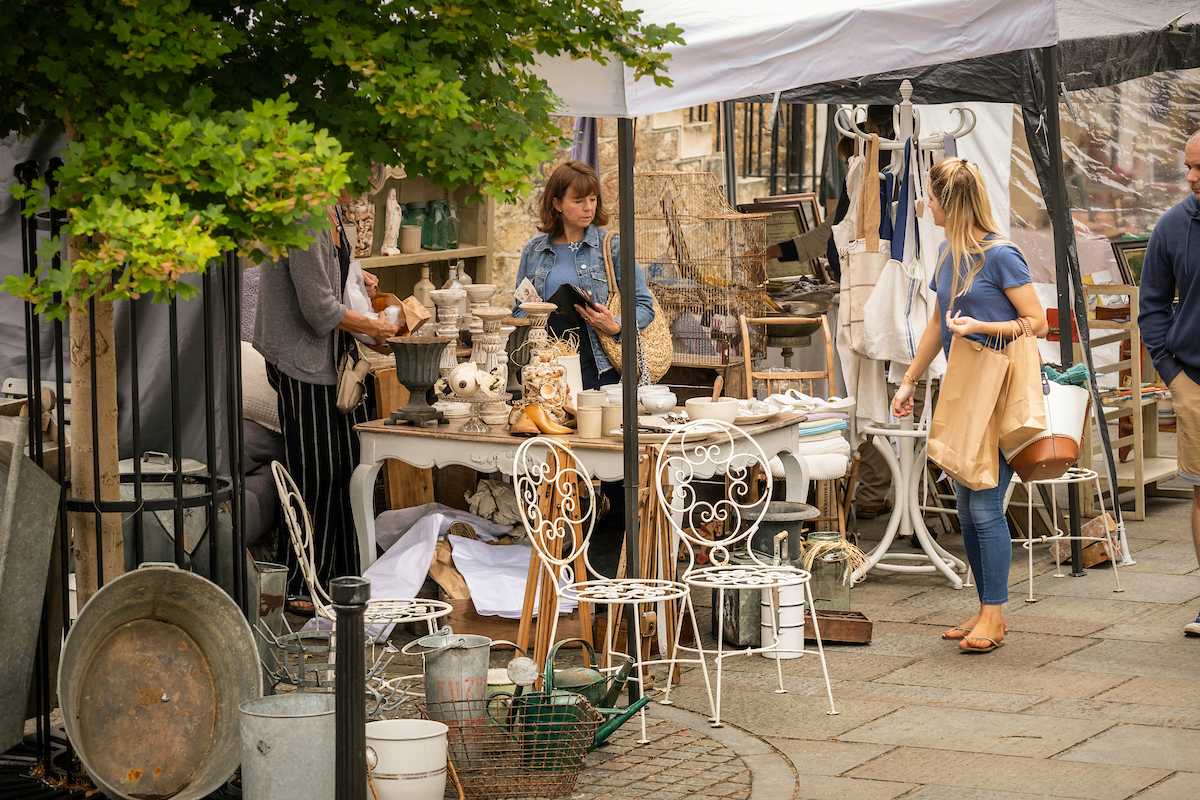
(200,125)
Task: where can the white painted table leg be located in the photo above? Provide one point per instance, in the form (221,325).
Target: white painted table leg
(795,473)
(362,496)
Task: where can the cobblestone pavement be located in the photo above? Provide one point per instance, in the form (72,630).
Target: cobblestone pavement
(678,762)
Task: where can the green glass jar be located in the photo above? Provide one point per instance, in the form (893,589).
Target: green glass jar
(433,232)
(452,227)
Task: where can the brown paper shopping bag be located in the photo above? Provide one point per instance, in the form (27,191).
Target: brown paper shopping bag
(964,435)
(1023,410)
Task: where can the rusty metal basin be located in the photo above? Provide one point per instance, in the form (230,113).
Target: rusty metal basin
(151,677)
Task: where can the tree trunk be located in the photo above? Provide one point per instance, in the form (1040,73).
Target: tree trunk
(98,559)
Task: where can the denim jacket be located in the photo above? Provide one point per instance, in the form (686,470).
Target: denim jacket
(537,259)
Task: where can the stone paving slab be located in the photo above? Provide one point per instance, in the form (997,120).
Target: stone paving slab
(1131,658)
(976,731)
(819,787)
(1106,610)
(1140,587)
(1144,633)
(1180,786)
(851,662)
(801,718)
(931,792)
(968,670)
(1141,746)
(900,639)
(825,757)
(1179,692)
(1021,623)
(1135,713)
(986,771)
(930,696)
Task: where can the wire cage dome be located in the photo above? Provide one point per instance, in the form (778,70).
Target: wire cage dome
(703,262)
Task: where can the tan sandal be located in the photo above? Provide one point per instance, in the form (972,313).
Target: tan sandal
(966,647)
(966,633)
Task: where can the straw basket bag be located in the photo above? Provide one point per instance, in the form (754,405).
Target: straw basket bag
(655,351)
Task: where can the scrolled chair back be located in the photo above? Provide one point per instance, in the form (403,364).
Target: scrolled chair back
(709,448)
(557,504)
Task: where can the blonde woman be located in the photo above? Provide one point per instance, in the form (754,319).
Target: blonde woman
(984,293)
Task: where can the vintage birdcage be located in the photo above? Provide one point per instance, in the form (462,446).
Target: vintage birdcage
(703,263)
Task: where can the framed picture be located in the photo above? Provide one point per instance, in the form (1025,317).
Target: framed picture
(798,213)
(784,225)
(807,203)
(1129,255)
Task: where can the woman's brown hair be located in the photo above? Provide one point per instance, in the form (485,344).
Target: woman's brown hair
(580,180)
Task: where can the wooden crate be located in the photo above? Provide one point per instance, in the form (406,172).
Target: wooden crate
(846,627)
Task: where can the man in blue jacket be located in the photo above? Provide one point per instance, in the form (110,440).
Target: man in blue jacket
(1171,330)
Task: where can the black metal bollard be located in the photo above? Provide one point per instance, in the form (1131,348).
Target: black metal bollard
(350,597)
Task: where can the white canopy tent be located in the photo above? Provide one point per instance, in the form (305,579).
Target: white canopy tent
(759,47)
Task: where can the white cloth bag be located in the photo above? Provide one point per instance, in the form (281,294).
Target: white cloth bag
(896,314)
(867,254)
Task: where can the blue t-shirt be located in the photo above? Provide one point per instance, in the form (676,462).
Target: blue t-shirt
(563,270)
(1003,268)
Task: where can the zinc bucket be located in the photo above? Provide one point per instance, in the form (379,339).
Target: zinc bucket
(407,758)
(288,747)
(456,668)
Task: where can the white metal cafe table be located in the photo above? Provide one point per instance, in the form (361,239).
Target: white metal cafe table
(906,518)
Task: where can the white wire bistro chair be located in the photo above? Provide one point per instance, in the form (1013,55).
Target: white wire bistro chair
(561,532)
(698,450)
(380,614)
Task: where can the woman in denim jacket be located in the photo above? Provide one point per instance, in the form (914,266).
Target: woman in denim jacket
(568,251)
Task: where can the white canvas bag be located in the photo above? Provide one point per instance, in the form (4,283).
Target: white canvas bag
(896,312)
(868,253)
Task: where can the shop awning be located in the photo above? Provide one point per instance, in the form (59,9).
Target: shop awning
(759,47)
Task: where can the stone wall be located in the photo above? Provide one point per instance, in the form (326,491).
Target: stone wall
(656,147)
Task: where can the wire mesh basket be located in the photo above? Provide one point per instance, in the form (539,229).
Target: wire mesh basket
(528,746)
(703,263)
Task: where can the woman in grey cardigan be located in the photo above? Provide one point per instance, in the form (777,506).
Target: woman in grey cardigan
(300,312)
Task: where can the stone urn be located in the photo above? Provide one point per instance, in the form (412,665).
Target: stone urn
(417,360)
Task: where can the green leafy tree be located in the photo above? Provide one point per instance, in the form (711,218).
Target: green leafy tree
(197,126)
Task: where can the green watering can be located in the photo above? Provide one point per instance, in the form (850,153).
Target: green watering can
(591,684)
(587,681)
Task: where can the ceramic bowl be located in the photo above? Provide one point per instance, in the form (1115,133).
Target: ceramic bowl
(657,388)
(725,409)
(659,402)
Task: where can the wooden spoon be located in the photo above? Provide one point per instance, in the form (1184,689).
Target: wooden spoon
(718,385)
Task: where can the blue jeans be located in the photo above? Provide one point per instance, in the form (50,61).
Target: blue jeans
(986,537)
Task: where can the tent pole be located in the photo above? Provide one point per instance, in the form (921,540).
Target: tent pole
(1060,218)
(729,151)
(629,371)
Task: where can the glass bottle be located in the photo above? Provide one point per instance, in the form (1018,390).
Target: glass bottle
(452,227)
(433,232)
